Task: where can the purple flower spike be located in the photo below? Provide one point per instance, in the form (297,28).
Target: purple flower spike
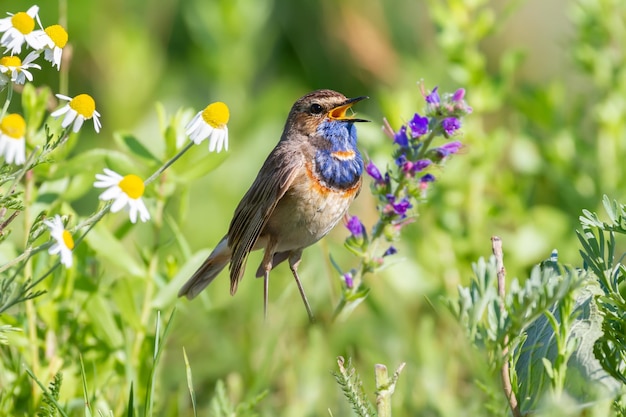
(400,138)
(458,95)
(418,125)
(451,125)
(449,148)
(355,226)
(374,172)
(347,278)
(390,251)
(433,97)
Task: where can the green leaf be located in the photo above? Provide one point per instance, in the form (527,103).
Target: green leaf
(101,316)
(131,405)
(112,251)
(92,161)
(34,101)
(123,296)
(83,377)
(134,146)
(167,295)
(196,163)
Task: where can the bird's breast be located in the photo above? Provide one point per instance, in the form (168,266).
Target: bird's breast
(309,210)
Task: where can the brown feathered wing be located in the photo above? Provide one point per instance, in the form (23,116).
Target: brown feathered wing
(256,207)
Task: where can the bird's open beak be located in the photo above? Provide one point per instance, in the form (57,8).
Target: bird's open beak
(339,112)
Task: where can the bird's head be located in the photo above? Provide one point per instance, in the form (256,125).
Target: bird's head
(318,107)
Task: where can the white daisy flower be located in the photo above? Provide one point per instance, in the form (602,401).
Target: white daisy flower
(124,191)
(12,142)
(12,68)
(64,241)
(210,123)
(56,39)
(19,28)
(80,108)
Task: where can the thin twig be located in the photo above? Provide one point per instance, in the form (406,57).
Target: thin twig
(505,375)
(8,221)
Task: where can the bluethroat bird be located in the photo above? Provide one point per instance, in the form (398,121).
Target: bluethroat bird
(301,192)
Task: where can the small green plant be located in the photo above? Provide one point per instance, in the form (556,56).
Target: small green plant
(560,334)
(352,387)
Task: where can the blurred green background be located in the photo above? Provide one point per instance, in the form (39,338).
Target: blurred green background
(547,83)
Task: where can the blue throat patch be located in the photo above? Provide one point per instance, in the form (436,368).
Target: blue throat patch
(338,172)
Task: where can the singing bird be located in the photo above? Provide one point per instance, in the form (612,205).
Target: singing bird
(302,191)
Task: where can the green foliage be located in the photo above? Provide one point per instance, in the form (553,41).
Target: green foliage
(49,406)
(352,387)
(544,141)
(222,406)
(598,240)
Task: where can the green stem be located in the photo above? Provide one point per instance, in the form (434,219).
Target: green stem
(383,394)
(64,69)
(426,144)
(46,393)
(8,100)
(168,163)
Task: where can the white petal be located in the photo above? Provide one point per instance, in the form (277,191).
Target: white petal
(54,249)
(144,214)
(69,117)
(191,126)
(96,121)
(119,203)
(66,257)
(32,12)
(78,123)
(112,193)
(60,111)
(132,212)
(113,174)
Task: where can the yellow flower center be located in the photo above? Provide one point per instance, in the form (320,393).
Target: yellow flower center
(23,22)
(57,34)
(13,125)
(216,114)
(67,239)
(11,61)
(132,186)
(84,105)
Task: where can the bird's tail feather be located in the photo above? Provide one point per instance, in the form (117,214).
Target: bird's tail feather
(212,266)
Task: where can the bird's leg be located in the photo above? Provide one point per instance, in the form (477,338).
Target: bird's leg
(268,256)
(294,261)
(266,292)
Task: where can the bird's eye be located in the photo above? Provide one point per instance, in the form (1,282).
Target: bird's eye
(316,108)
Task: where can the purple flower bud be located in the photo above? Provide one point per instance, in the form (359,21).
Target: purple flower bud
(355,226)
(421,164)
(390,251)
(400,138)
(433,97)
(458,94)
(400,207)
(449,148)
(427,178)
(374,172)
(418,125)
(401,160)
(347,278)
(407,167)
(450,125)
